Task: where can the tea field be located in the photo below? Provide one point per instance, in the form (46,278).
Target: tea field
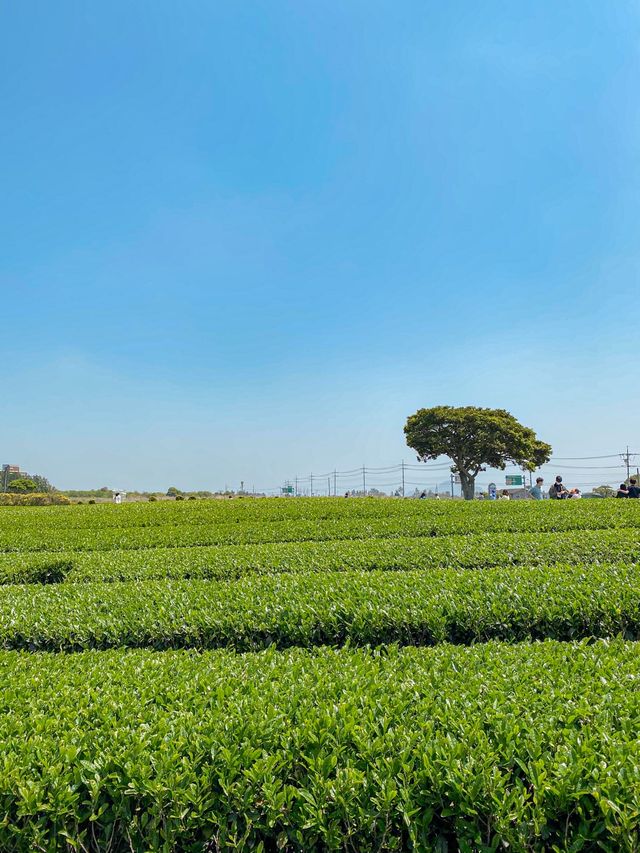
(320,674)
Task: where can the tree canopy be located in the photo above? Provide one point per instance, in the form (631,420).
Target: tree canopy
(474,439)
(22,484)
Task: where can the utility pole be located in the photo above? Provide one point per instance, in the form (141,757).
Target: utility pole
(626,458)
(311,475)
(364,483)
(452,485)
(328,486)
(296,487)
(335,483)
(402,464)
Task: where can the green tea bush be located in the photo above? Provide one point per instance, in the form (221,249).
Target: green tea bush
(496,737)
(359,608)
(225,562)
(530,747)
(186,525)
(401,554)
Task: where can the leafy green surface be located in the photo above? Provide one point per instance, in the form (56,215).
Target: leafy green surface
(534,746)
(225,562)
(419,608)
(478,746)
(152,525)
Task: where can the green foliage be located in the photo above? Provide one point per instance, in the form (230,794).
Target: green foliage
(201,523)
(22,484)
(42,484)
(173,492)
(412,608)
(103,492)
(605,491)
(474,439)
(226,562)
(472,744)
(33,499)
(530,747)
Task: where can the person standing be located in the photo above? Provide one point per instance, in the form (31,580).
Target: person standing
(535,492)
(634,488)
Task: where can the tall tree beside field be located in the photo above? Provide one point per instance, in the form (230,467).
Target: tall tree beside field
(42,484)
(474,439)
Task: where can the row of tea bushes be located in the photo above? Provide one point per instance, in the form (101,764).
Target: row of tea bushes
(333,608)
(527,747)
(531,518)
(225,562)
(250,512)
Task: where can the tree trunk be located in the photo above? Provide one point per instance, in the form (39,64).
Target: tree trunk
(468,483)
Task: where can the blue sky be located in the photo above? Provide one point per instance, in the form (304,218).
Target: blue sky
(244,241)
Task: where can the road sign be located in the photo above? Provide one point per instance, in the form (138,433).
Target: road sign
(514,480)
(287,490)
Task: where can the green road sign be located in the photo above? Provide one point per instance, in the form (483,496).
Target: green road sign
(514,480)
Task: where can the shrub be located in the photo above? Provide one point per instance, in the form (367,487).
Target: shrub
(333,609)
(33,499)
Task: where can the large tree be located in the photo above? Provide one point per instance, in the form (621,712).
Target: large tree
(474,439)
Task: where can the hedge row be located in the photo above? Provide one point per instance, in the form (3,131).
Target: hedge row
(142,514)
(33,499)
(530,747)
(232,561)
(533,518)
(412,608)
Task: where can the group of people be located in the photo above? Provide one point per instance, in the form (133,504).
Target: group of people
(558,491)
(630,491)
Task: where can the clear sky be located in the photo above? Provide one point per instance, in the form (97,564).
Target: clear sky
(246,240)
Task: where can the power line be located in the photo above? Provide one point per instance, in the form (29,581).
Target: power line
(607,456)
(432,470)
